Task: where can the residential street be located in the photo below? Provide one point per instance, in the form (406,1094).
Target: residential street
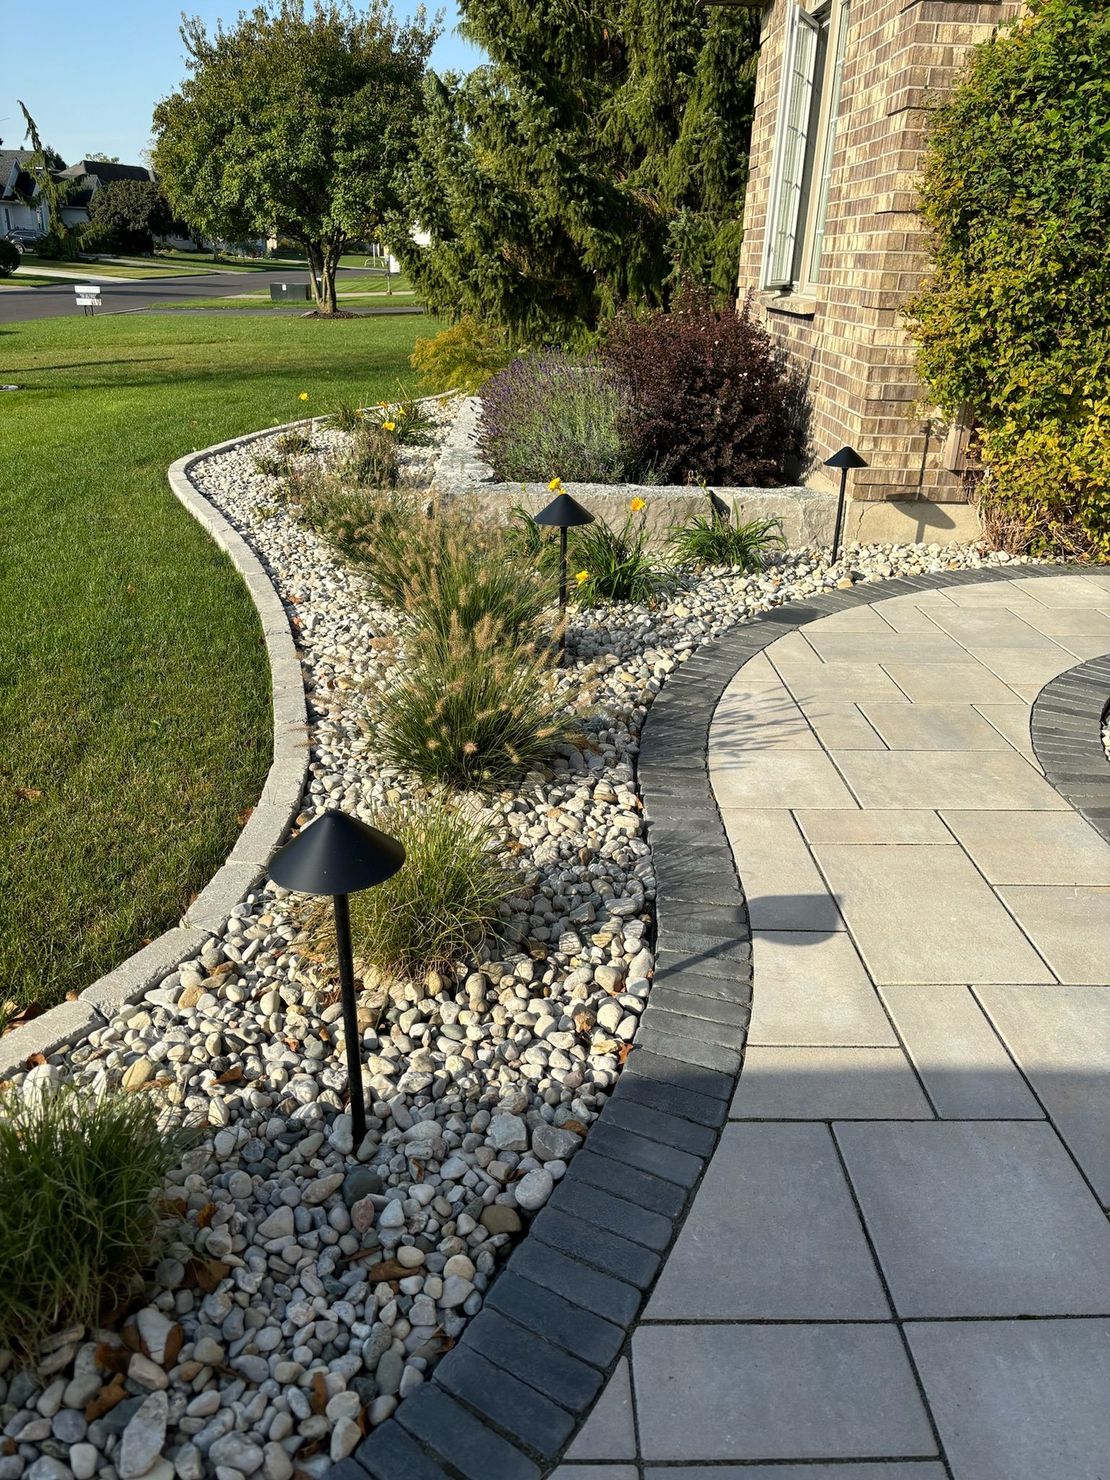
(18,305)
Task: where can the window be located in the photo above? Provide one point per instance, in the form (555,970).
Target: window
(805,143)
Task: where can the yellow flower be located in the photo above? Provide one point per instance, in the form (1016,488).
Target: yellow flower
(637,504)
(401,411)
(303,396)
(582,577)
(556,485)
(389,426)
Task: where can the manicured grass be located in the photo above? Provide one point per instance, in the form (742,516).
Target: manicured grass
(353,293)
(134,690)
(21,279)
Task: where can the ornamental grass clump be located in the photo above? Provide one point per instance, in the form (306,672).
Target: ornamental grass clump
(80,1174)
(604,564)
(721,538)
(445,899)
(291,443)
(371,459)
(555,410)
(475,708)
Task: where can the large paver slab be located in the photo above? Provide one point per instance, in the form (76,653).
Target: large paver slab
(1011,721)
(1019,1400)
(1072,621)
(841,682)
(1074,590)
(874,647)
(985,1218)
(1061,1039)
(782,884)
(1069,925)
(597,1472)
(948,683)
(993,593)
(828,1084)
(760,1246)
(1033,847)
(932,779)
(1023,666)
(965,1069)
(933,727)
(765,719)
(778,778)
(994,628)
(791,1392)
(887,826)
(812,989)
(926,915)
(609,1432)
(890,1471)
(842,726)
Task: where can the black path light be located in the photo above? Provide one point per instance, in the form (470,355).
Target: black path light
(563,513)
(846,458)
(339,855)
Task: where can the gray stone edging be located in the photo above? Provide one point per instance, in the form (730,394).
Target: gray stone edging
(1066,729)
(69,1022)
(507,1401)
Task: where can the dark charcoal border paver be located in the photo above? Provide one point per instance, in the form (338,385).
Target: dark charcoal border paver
(557,1318)
(1066,727)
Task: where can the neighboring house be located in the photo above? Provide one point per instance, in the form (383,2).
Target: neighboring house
(91,175)
(19,210)
(833,245)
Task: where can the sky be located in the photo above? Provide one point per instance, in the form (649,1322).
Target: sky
(91,74)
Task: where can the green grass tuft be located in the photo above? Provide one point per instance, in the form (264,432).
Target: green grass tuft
(721,539)
(79,1217)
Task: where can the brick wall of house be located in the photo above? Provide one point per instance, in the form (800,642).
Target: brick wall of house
(848,336)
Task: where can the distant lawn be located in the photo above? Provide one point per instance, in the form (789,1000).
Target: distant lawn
(352,292)
(134,692)
(139,267)
(22,279)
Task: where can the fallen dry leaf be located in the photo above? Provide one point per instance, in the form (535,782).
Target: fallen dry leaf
(319,1399)
(106,1399)
(28,793)
(206,1214)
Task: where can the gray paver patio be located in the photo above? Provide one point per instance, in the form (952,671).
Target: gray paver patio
(923,1111)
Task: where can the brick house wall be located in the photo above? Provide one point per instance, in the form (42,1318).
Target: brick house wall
(846,333)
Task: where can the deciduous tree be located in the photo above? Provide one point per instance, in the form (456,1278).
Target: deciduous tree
(296,124)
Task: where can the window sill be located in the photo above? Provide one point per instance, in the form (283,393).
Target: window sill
(801,305)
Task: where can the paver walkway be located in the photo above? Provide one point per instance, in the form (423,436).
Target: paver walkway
(897,1264)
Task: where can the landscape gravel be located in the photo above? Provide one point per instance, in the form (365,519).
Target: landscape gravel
(308,1284)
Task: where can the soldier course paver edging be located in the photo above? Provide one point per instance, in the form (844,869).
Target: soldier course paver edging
(506,1403)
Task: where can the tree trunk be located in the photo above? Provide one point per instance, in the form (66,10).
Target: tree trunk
(333,250)
(315,265)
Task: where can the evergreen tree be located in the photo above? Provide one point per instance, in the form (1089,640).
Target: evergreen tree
(597,158)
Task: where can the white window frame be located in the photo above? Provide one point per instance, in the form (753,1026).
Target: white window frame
(805,142)
(784,217)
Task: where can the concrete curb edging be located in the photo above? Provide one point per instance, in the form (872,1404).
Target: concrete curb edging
(506,1402)
(1066,729)
(278,804)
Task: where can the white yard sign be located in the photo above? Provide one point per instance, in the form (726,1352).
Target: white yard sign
(88,296)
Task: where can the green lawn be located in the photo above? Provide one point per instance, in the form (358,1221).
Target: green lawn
(139,267)
(22,279)
(352,292)
(134,694)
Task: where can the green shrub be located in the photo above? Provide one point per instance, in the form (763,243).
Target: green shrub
(603,564)
(444,899)
(556,411)
(9,258)
(463,357)
(79,1215)
(1013,327)
(476,710)
(718,538)
(290,443)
